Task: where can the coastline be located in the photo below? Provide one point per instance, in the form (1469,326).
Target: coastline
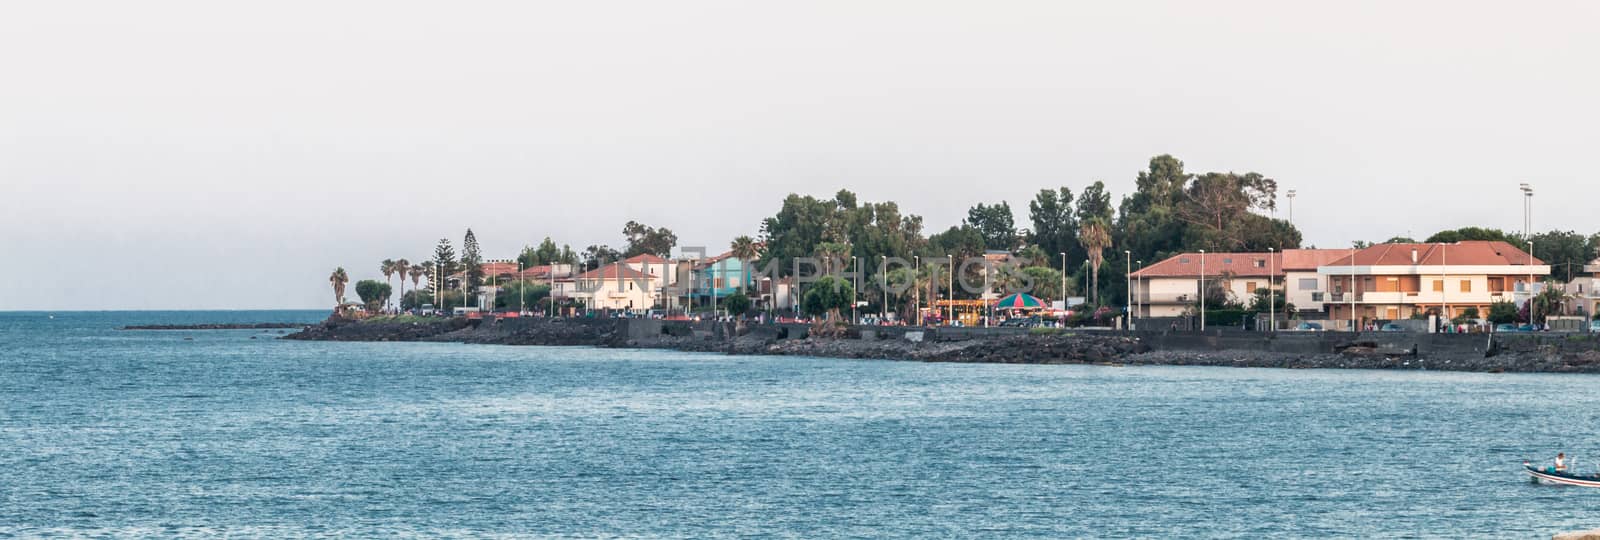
(1551,353)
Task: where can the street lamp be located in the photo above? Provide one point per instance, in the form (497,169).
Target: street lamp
(883,277)
(1141,298)
(1202,290)
(1063,280)
(1272,294)
(1127,307)
(916,271)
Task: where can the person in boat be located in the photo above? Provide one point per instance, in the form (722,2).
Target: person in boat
(1561,462)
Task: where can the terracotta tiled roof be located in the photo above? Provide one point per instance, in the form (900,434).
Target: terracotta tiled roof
(614,271)
(645,258)
(1469,253)
(1238,264)
(499,268)
(1308,260)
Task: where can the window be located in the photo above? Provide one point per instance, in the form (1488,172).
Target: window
(1261,263)
(1438,285)
(1466,285)
(1183,260)
(1250,286)
(1316,297)
(1228,260)
(1308,284)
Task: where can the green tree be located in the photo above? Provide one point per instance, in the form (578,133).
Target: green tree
(1502,313)
(827,296)
(1095,237)
(1055,230)
(401,266)
(737,304)
(372,293)
(1217,206)
(1264,300)
(338,279)
(521,295)
(1470,234)
(995,224)
(472,261)
(1565,251)
(643,239)
(416,271)
(1095,203)
(388,267)
(1046,282)
(596,255)
(444,258)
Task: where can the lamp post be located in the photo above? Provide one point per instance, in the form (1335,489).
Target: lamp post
(1202,290)
(855,289)
(522,291)
(1063,281)
(1272,294)
(1444,284)
(883,285)
(1352,292)
(1127,307)
(916,270)
(1140,299)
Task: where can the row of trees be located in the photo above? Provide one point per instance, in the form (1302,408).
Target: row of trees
(1076,235)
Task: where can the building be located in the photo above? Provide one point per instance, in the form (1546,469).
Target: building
(1397,281)
(719,277)
(1171,287)
(612,286)
(1303,286)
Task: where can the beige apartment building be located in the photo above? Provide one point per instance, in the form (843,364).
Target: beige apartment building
(1395,281)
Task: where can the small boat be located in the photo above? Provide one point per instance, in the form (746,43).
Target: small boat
(1549,474)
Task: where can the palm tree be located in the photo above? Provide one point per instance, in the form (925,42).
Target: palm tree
(387,267)
(400,267)
(338,279)
(1095,239)
(416,271)
(746,250)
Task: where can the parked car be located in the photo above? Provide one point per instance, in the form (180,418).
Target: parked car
(1505,328)
(1308,327)
(1391,327)
(1527,328)
(1594,325)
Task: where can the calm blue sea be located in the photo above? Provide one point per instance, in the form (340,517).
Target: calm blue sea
(174,433)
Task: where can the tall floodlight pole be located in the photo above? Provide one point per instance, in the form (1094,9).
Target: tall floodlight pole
(1139,300)
(1527,233)
(950,300)
(1291,195)
(1272,294)
(1202,290)
(883,286)
(522,291)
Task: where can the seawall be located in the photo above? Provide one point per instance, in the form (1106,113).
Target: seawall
(1537,352)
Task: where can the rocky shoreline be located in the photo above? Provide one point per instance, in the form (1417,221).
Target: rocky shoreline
(1025,348)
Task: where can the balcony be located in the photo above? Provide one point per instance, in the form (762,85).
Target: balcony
(1165,298)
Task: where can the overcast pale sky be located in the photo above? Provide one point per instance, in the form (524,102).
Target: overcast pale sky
(206,154)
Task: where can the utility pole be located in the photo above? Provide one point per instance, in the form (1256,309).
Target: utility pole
(1202,290)
(1272,293)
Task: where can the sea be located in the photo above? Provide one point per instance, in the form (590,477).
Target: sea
(171,434)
